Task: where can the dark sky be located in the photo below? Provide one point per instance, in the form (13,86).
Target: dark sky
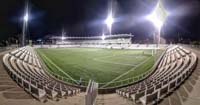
(86,17)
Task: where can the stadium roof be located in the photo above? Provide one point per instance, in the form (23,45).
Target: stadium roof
(95,37)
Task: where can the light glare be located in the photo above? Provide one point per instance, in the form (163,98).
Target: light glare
(109,21)
(103,37)
(158,16)
(62,37)
(26,17)
(155,20)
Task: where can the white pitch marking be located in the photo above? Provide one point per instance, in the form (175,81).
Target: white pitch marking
(127,72)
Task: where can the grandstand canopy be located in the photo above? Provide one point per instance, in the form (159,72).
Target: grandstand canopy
(93,37)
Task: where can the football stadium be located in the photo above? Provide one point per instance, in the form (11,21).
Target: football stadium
(102,69)
(115,63)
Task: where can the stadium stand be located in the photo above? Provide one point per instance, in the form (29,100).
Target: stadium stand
(175,67)
(25,69)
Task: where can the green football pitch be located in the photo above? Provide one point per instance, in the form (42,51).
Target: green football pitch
(101,65)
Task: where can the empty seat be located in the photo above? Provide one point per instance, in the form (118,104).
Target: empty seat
(174,67)
(24,67)
(151,98)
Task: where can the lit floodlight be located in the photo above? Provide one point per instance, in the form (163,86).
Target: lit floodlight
(103,37)
(63,35)
(25,23)
(158,16)
(154,19)
(26,17)
(109,21)
(62,38)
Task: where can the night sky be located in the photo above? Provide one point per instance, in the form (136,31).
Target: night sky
(86,18)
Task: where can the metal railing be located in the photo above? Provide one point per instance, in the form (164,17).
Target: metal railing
(91,93)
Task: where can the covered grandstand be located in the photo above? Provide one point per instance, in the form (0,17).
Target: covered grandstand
(104,41)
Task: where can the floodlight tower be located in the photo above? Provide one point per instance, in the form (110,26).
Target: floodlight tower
(109,20)
(103,37)
(158,17)
(25,23)
(63,35)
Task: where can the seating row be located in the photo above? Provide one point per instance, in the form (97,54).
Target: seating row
(25,69)
(175,66)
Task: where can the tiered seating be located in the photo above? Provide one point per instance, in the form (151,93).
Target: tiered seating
(25,68)
(175,66)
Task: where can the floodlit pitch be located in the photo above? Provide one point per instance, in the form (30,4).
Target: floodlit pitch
(102,65)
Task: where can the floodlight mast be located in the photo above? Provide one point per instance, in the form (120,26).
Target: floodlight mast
(158,17)
(25,23)
(63,35)
(103,37)
(157,23)
(109,20)
(26,17)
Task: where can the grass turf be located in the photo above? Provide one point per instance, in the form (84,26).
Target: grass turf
(101,65)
